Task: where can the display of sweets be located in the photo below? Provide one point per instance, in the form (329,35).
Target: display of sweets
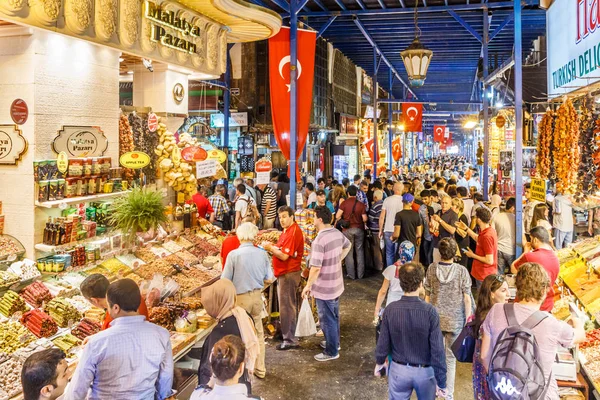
(36,294)
(95,314)
(10,378)
(25,269)
(85,328)
(62,312)
(11,303)
(8,246)
(66,342)
(8,279)
(13,336)
(39,323)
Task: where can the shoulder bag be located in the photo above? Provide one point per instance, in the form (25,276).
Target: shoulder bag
(343,224)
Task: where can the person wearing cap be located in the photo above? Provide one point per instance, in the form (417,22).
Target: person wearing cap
(408,225)
(322,201)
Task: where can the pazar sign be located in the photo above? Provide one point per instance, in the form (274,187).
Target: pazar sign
(170,30)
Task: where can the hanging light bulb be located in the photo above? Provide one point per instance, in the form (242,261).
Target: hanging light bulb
(416,57)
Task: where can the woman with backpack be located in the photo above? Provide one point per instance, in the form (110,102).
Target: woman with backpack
(517,362)
(448,289)
(493,290)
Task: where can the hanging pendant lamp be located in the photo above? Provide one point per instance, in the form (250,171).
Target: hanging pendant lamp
(416,57)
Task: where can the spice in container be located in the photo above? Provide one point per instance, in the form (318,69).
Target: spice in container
(75,167)
(87,167)
(43,191)
(105,167)
(70,187)
(91,185)
(52,189)
(96,166)
(61,190)
(115,173)
(81,187)
(52,169)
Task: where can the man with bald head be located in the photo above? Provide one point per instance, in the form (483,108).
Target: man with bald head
(391,206)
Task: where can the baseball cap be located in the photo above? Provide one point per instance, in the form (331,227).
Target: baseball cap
(408,198)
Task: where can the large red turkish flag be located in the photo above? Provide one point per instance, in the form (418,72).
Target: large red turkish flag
(438,133)
(412,116)
(396,149)
(369,145)
(279,79)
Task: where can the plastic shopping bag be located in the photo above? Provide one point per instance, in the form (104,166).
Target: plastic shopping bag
(306,325)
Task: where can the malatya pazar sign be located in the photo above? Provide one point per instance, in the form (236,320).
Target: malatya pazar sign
(160,30)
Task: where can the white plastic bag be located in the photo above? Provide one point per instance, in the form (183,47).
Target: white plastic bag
(306,323)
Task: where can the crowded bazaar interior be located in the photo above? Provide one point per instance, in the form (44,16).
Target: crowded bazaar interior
(312,199)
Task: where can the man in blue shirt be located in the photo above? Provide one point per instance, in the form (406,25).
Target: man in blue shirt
(131,360)
(249,268)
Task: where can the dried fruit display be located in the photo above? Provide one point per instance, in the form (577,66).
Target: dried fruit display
(116,267)
(161,316)
(544,145)
(39,323)
(9,246)
(177,173)
(187,257)
(145,254)
(184,243)
(204,249)
(176,309)
(13,336)
(158,266)
(194,278)
(10,378)
(8,279)
(66,342)
(596,154)
(269,236)
(587,170)
(172,246)
(80,303)
(11,303)
(36,294)
(62,312)
(192,303)
(95,314)
(566,148)
(125,144)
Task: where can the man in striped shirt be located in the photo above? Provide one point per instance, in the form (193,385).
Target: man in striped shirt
(268,207)
(326,280)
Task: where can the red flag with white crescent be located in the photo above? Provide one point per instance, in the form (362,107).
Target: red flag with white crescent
(396,149)
(369,145)
(412,116)
(279,79)
(439,131)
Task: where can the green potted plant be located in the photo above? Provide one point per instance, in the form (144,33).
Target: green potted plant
(141,212)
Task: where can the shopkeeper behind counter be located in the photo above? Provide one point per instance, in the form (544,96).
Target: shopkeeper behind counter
(94,289)
(287,260)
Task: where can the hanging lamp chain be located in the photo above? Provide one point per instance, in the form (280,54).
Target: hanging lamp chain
(416,14)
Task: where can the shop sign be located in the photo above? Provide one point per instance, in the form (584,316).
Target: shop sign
(194,154)
(348,125)
(573,45)
(152,122)
(80,141)
(206,168)
(235,120)
(218,155)
(538,190)
(263,169)
(12,145)
(19,112)
(134,160)
(62,162)
(170,29)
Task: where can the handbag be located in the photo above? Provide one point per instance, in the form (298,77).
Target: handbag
(464,345)
(343,224)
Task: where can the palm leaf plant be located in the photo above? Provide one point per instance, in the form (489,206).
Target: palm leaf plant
(139,212)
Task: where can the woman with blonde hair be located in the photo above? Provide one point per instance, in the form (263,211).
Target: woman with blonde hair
(461,237)
(338,195)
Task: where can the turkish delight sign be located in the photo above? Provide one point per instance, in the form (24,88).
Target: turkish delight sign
(80,141)
(12,145)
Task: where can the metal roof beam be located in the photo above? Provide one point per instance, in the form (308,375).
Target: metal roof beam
(340,5)
(318,2)
(402,3)
(430,9)
(383,57)
(361,4)
(506,21)
(466,25)
(327,25)
(500,70)
(282,4)
(381,3)
(301,5)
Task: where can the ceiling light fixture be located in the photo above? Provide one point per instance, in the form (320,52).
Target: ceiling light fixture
(470,124)
(416,57)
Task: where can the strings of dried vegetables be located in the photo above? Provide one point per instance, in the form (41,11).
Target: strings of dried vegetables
(566,148)
(596,155)
(125,144)
(544,144)
(587,170)
(149,144)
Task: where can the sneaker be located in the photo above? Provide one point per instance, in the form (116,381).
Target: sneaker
(319,333)
(325,357)
(287,346)
(324,345)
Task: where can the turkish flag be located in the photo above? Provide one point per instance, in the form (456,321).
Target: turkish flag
(412,116)
(396,149)
(369,145)
(438,133)
(279,79)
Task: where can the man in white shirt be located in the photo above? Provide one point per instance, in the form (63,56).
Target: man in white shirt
(562,221)
(391,206)
(462,181)
(505,225)
(474,182)
(463,192)
(242,201)
(311,196)
(529,208)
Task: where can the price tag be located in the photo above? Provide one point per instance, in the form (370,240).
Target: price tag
(62,162)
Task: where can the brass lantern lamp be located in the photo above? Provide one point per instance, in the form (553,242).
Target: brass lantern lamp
(416,57)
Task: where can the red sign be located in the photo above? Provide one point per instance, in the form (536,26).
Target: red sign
(19,111)
(279,79)
(263,165)
(322,160)
(396,149)
(412,116)
(438,133)
(152,122)
(194,154)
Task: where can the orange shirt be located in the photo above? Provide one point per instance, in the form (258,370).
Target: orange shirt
(143,310)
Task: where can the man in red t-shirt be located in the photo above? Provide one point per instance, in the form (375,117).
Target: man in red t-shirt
(232,242)
(544,255)
(485,258)
(204,207)
(94,289)
(287,258)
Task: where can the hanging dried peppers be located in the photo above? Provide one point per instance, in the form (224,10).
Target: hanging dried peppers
(544,144)
(125,144)
(587,170)
(566,145)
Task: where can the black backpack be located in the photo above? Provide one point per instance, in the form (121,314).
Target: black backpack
(515,371)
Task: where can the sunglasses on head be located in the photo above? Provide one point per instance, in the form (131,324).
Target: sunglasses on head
(499,278)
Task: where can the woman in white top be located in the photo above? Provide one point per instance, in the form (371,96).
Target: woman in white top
(540,218)
(227,363)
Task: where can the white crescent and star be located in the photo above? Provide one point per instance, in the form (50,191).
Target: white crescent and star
(439,129)
(412,118)
(286,60)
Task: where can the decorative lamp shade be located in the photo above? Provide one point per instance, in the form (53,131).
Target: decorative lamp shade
(416,60)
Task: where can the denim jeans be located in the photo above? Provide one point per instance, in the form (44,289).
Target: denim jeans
(404,379)
(426,253)
(391,249)
(504,262)
(449,339)
(562,239)
(329,319)
(356,269)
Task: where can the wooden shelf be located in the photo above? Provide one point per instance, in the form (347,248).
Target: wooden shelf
(81,199)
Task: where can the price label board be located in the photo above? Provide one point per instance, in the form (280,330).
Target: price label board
(538,190)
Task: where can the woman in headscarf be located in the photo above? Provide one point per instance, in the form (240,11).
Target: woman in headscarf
(219,301)
(495,203)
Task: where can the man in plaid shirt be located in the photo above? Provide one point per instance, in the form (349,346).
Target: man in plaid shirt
(219,205)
